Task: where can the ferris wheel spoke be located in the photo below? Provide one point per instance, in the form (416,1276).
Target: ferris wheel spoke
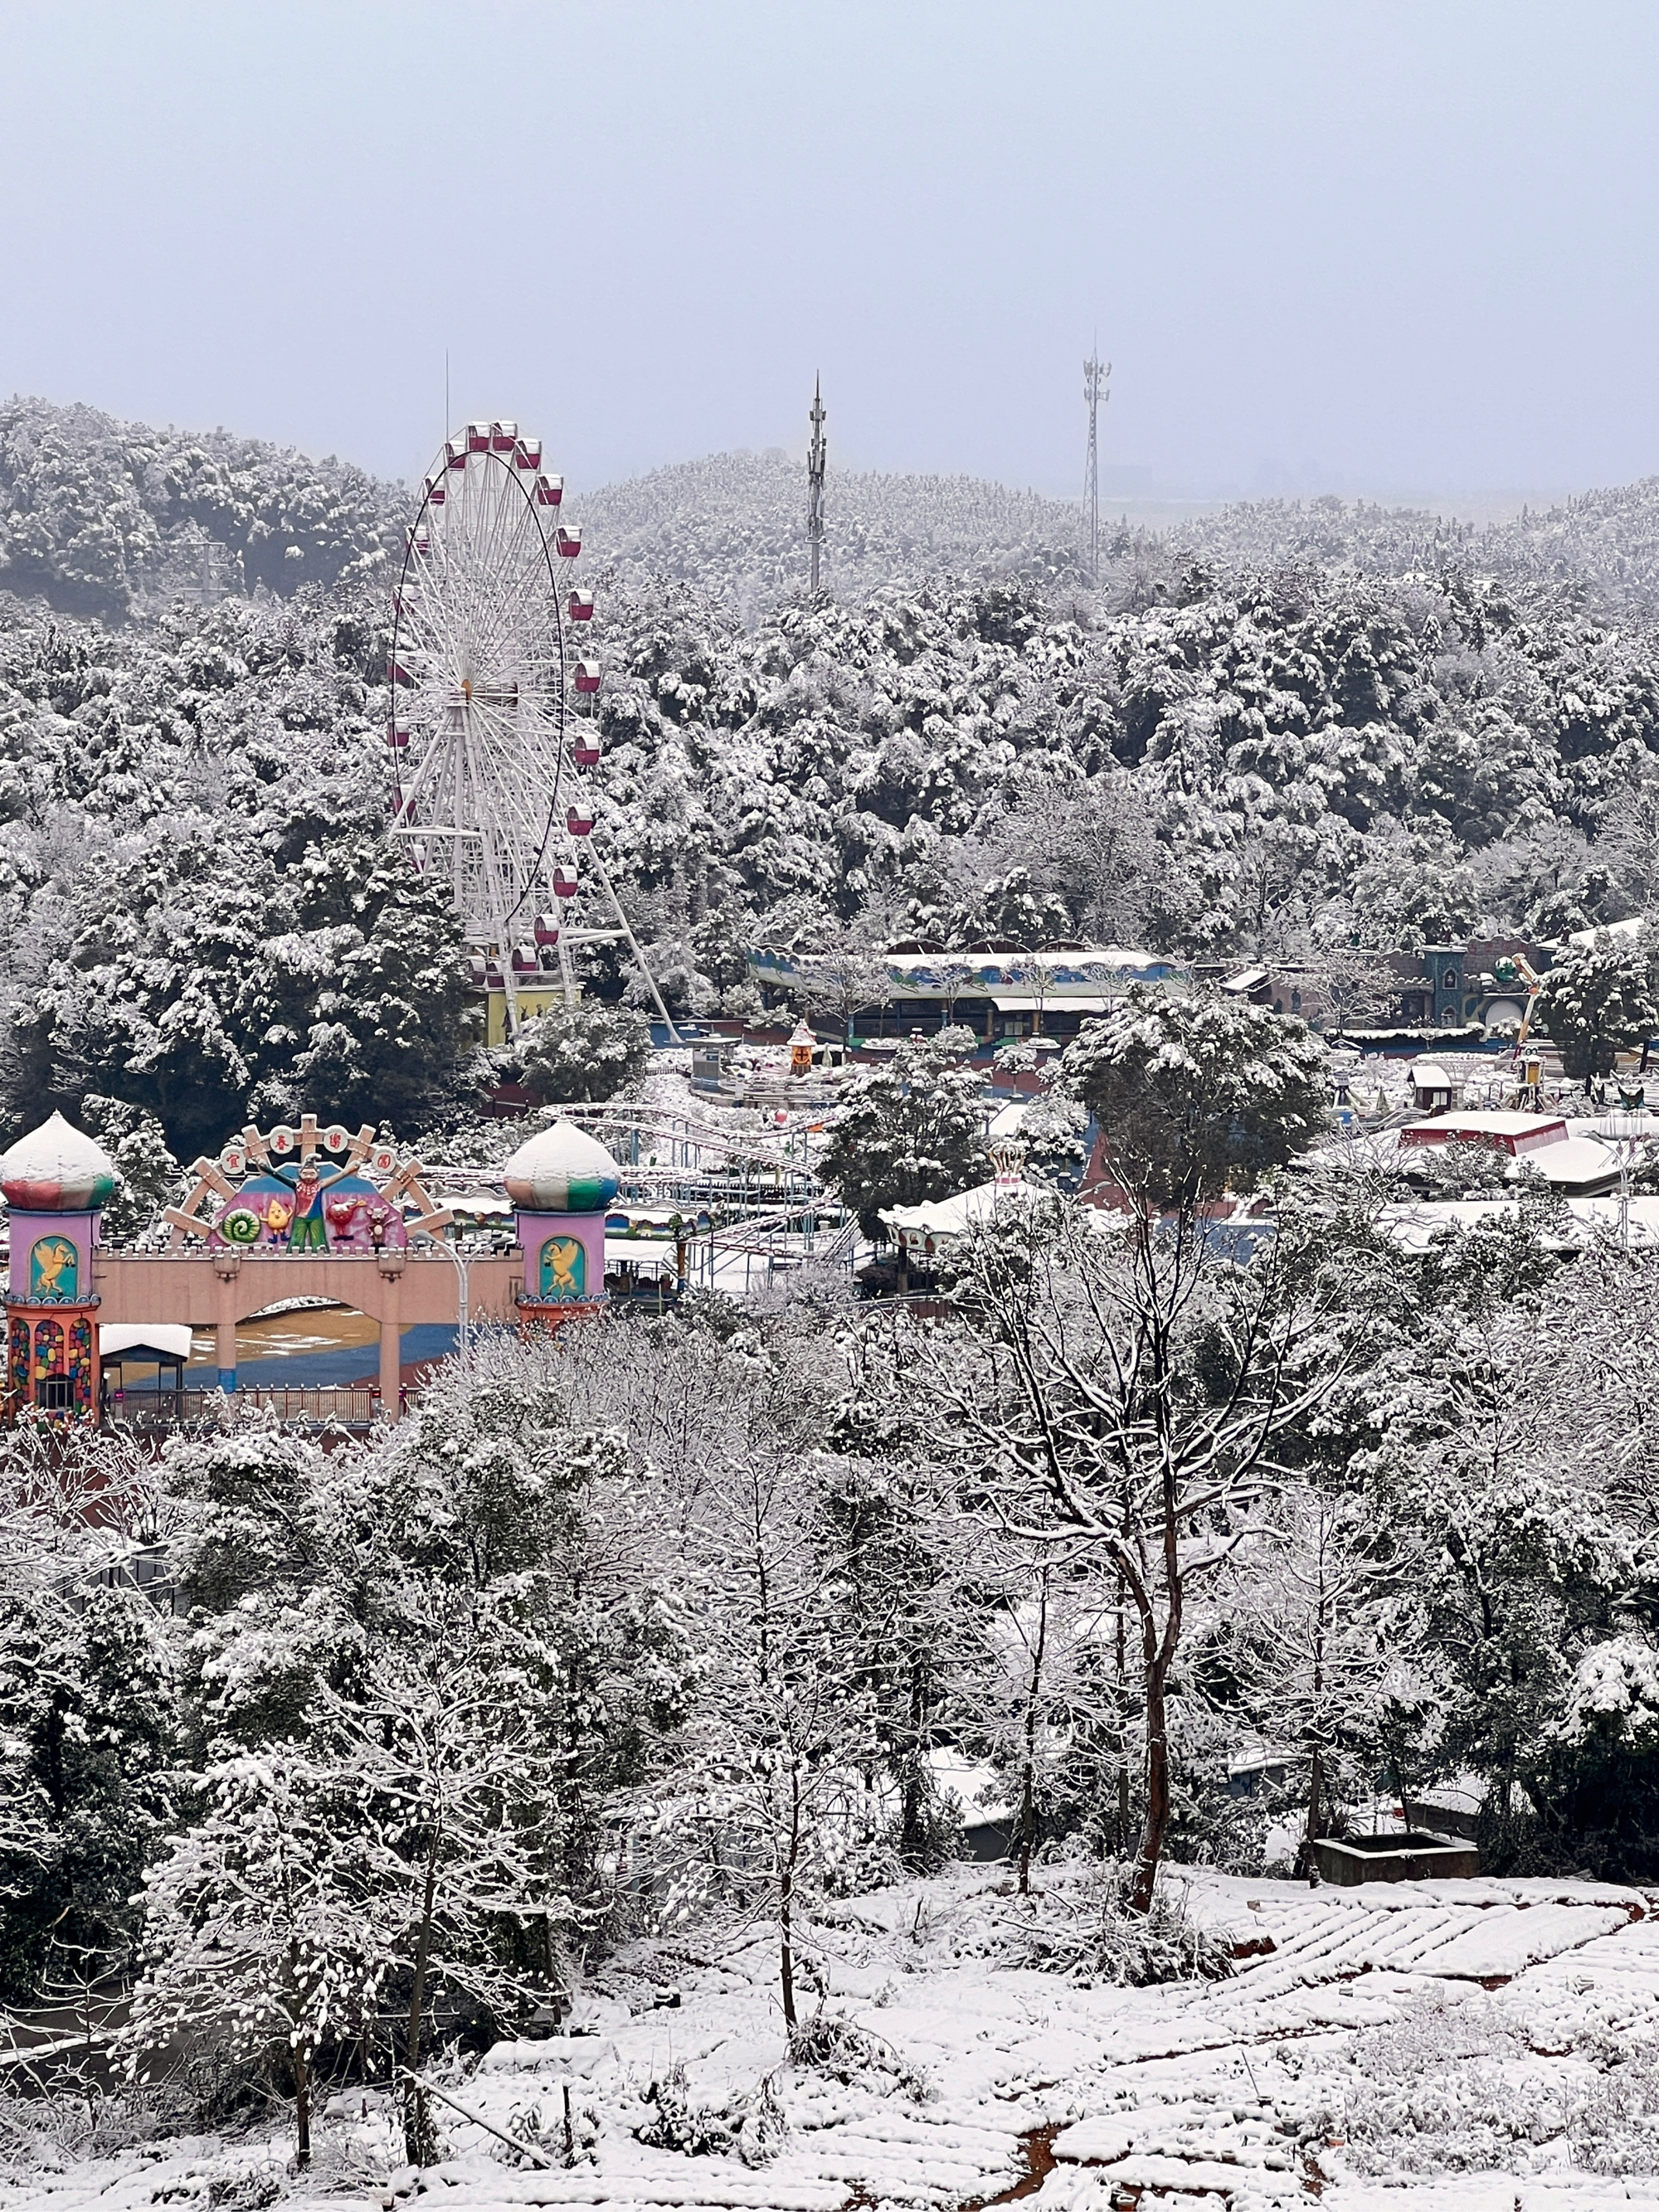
(520,608)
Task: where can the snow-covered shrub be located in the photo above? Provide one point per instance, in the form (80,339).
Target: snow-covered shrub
(1447,2088)
(1616,2130)
(554,2130)
(753,2128)
(37,2133)
(1086,1932)
(833,2045)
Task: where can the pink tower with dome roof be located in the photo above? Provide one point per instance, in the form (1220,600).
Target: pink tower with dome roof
(56,1181)
(561,1180)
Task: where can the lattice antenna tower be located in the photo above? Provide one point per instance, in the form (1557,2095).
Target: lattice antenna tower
(1094,373)
(818,455)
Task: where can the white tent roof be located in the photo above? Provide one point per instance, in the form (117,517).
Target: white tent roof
(954,1217)
(172,1339)
(646,1255)
(478,1202)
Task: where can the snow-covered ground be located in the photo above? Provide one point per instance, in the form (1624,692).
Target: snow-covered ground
(1475,2045)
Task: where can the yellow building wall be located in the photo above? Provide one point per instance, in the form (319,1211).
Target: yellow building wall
(538,999)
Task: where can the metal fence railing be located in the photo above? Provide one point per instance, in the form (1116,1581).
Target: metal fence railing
(171,1409)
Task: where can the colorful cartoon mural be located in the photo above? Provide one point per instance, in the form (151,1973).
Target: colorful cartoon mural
(278,1194)
(308,1211)
(563,1270)
(17,1364)
(54,1270)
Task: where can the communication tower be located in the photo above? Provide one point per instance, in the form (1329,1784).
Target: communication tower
(1094,373)
(816,455)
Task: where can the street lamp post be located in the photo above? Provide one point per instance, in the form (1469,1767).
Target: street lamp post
(463,1338)
(1627,1130)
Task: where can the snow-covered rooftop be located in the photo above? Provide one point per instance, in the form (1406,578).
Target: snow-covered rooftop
(968,1209)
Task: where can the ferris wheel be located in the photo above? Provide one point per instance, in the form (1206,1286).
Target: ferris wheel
(493,731)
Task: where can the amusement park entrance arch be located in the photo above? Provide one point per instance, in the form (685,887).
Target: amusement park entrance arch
(306,1215)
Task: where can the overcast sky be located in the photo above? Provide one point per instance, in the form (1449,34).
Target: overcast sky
(1349,244)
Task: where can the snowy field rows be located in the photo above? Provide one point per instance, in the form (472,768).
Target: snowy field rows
(1480,2045)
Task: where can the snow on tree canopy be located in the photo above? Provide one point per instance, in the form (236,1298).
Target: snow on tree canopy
(1193,1091)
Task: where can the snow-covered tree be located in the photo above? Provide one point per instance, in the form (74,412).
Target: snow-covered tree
(583,1053)
(912,1130)
(765,1800)
(846,976)
(382,1857)
(146,1173)
(262,1942)
(1318,1624)
(1598,1000)
(1125,1395)
(90,1773)
(1195,1093)
(1040,1701)
(901,1563)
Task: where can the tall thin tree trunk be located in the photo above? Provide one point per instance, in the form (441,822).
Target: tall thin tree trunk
(786,1906)
(417,2143)
(1304,1857)
(1158,1801)
(1122,1836)
(1028,1779)
(302,2109)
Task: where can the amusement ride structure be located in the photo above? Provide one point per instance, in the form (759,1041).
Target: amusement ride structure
(493,731)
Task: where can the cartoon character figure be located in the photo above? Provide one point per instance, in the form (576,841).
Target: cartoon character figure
(53,1267)
(345,1219)
(564,1268)
(308,1181)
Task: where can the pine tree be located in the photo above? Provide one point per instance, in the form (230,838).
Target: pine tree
(1597,1000)
(911,1131)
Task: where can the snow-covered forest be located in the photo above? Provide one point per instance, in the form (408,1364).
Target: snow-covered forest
(1283,730)
(450,1796)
